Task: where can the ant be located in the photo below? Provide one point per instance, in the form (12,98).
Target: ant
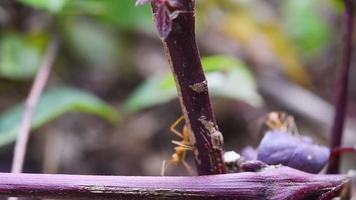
(276,120)
(280,121)
(180,153)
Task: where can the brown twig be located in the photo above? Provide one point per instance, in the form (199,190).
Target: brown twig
(175,21)
(342,86)
(30,105)
(280,183)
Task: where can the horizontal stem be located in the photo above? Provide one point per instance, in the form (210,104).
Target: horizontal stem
(272,183)
(341,150)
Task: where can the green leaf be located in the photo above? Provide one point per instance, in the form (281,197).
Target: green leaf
(122,13)
(53,104)
(53,6)
(19,58)
(227,77)
(103,48)
(338,5)
(308,29)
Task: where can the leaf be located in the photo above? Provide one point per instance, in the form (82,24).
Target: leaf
(53,104)
(152,92)
(308,28)
(102,50)
(229,78)
(163,20)
(337,5)
(122,13)
(226,76)
(19,58)
(53,6)
(299,152)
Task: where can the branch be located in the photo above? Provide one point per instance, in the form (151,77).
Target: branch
(342,86)
(175,21)
(341,150)
(30,105)
(280,183)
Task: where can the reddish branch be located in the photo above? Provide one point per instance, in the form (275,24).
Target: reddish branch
(175,21)
(30,106)
(341,150)
(272,183)
(342,85)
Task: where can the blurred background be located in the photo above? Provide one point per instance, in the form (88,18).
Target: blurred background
(110,99)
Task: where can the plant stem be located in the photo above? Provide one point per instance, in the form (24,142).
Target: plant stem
(175,21)
(341,150)
(272,183)
(30,105)
(342,86)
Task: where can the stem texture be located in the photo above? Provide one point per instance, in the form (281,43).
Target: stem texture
(279,183)
(175,21)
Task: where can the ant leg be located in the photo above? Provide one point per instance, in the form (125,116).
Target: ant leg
(293,126)
(164,167)
(187,167)
(175,124)
(271,124)
(181,144)
(174,160)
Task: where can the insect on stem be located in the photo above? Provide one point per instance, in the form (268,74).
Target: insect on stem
(175,22)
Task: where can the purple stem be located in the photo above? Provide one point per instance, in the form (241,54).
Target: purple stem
(272,183)
(175,21)
(342,86)
(341,150)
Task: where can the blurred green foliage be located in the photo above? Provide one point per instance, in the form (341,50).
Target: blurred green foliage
(97,33)
(103,47)
(19,56)
(308,29)
(301,31)
(227,77)
(90,28)
(53,104)
(82,21)
(230,78)
(53,6)
(121,13)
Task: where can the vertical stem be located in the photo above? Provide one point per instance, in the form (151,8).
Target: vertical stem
(175,21)
(342,86)
(30,105)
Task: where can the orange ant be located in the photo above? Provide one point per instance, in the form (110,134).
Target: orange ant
(281,121)
(180,153)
